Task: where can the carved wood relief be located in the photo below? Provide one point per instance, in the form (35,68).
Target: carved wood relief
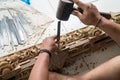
(17,66)
(72,44)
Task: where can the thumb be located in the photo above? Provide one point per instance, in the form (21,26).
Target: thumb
(77,13)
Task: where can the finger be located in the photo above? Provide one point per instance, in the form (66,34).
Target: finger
(56,41)
(56,45)
(54,37)
(80,4)
(77,13)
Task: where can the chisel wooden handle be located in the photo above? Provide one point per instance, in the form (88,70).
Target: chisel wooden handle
(106,15)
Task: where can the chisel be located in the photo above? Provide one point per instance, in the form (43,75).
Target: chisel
(58,33)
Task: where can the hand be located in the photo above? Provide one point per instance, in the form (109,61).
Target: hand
(49,43)
(90,14)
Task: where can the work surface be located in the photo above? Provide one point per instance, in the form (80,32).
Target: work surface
(88,61)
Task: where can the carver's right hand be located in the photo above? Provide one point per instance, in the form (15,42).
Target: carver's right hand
(90,14)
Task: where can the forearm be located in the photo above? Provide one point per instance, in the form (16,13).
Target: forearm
(111,28)
(107,71)
(40,69)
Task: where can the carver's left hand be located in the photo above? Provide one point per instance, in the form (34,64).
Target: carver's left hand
(49,43)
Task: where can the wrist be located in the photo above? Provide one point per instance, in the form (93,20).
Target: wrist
(103,22)
(43,58)
(44,54)
(45,51)
(46,48)
(97,20)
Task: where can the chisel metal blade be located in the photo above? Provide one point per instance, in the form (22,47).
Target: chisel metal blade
(58,33)
(12,32)
(4,33)
(27,28)
(19,31)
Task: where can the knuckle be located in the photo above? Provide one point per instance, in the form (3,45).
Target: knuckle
(48,38)
(77,2)
(89,5)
